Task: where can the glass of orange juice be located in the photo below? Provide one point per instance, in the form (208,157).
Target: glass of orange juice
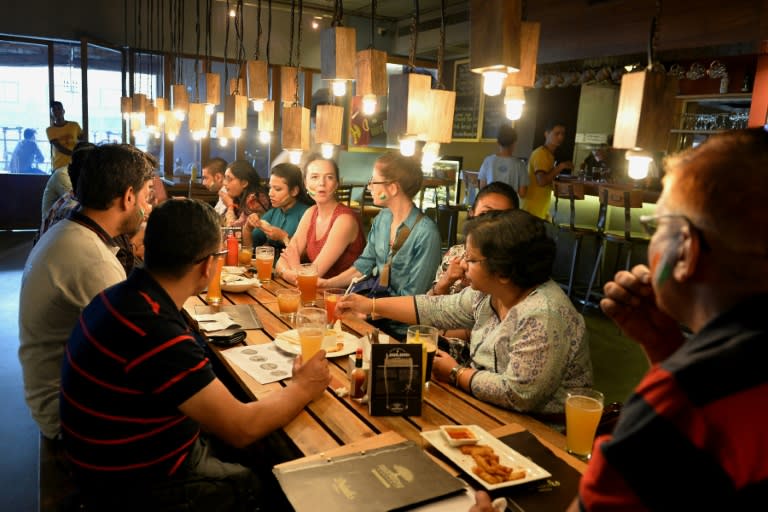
(265,257)
(288,301)
(330,298)
(245,256)
(583,410)
(213,296)
(310,322)
(306,278)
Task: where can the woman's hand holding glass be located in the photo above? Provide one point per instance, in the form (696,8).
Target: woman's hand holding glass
(355,304)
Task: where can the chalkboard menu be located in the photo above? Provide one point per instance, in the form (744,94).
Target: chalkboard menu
(494,115)
(468,87)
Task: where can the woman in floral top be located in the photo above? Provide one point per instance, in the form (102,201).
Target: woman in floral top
(450,276)
(243,193)
(527,343)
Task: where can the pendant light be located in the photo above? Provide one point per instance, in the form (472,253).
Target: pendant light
(295,118)
(494,48)
(266,120)
(337,53)
(514,92)
(371,72)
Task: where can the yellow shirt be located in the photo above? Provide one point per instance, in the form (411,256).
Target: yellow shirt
(536,201)
(67,136)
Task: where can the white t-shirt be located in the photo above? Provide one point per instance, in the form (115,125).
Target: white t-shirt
(512,171)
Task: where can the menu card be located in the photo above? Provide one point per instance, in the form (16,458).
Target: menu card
(394,381)
(391,478)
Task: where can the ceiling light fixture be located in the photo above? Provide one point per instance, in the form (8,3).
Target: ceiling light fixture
(494,47)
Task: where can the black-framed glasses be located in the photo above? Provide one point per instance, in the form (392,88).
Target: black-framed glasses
(217,253)
(650,224)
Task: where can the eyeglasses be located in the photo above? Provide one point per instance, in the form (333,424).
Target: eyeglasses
(371,182)
(217,253)
(650,224)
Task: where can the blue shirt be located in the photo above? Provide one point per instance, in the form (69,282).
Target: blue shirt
(414,265)
(287,220)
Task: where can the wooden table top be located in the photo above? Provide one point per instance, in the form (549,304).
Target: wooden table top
(331,423)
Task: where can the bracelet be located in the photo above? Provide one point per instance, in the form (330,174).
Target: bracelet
(458,376)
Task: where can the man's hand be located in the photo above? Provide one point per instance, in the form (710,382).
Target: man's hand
(313,376)
(630,302)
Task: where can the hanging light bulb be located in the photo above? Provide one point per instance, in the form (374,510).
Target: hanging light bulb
(294,156)
(514,99)
(210,109)
(198,135)
(639,161)
(171,137)
(407,146)
(265,137)
(429,155)
(236,132)
(258,105)
(493,82)
(232,13)
(369,104)
(223,141)
(339,87)
(327,150)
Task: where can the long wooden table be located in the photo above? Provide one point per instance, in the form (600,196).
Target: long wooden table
(332,423)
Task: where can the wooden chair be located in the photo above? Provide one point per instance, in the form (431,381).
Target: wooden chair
(448,223)
(622,238)
(572,192)
(344,194)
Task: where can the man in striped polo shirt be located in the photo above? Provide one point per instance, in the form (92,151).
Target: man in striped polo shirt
(693,436)
(138,389)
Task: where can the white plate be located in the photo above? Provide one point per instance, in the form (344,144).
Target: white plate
(351,342)
(226,269)
(507,457)
(238,285)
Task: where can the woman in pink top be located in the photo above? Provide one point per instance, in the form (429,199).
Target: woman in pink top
(329,234)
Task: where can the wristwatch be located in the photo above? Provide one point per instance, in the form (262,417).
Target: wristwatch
(454,375)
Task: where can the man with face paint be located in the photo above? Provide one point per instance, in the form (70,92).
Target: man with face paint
(693,434)
(72,262)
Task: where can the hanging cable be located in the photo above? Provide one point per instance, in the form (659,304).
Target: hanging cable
(197,50)
(414,35)
(226,49)
(269,29)
(373,21)
(298,51)
(257,53)
(441,47)
(290,40)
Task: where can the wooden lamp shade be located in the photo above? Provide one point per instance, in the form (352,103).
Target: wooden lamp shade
(441,105)
(267,117)
(407,105)
(494,35)
(197,118)
(236,111)
(258,79)
(337,53)
(180,98)
(212,89)
(371,73)
(237,85)
(151,117)
(289,80)
(138,103)
(295,132)
(126,105)
(530,32)
(645,112)
(329,124)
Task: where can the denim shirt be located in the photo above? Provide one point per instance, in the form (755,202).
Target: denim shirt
(414,265)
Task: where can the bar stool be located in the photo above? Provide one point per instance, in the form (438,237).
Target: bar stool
(624,239)
(572,191)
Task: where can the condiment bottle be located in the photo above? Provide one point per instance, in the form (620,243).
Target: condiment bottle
(358,376)
(232,250)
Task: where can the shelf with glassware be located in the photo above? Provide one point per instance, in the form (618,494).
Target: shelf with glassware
(699,116)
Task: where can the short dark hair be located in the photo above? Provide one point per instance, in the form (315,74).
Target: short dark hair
(109,171)
(216,165)
(552,123)
(29,133)
(404,170)
(293,178)
(79,155)
(507,136)
(501,188)
(515,245)
(54,103)
(179,234)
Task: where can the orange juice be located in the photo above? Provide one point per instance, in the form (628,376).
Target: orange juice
(308,285)
(331,297)
(264,267)
(245,257)
(311,341)
(213,296)
(288,302)
(582,415)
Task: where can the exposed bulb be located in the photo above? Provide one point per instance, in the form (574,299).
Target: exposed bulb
(265,137)
(232,13)
(171,137)
(209,109)
(180,115)
(258,105)
(126,116)
(223,141)
(638,165)
(339,87)
(236,132)
(161,117)
(493,82)
(198,134)
(514,109)
(429,155)
(407,146)
(294,156)
(369,104)
(326,150)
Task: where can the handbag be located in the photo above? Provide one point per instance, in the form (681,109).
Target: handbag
(378,286)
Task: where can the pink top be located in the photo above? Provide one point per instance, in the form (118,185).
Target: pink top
(315,245)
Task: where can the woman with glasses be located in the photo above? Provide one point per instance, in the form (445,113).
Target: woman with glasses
(330,234)
(527,342)
(242,193)
(403,248)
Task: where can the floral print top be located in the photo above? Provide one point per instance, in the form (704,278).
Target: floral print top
(457,251)
(528,359)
